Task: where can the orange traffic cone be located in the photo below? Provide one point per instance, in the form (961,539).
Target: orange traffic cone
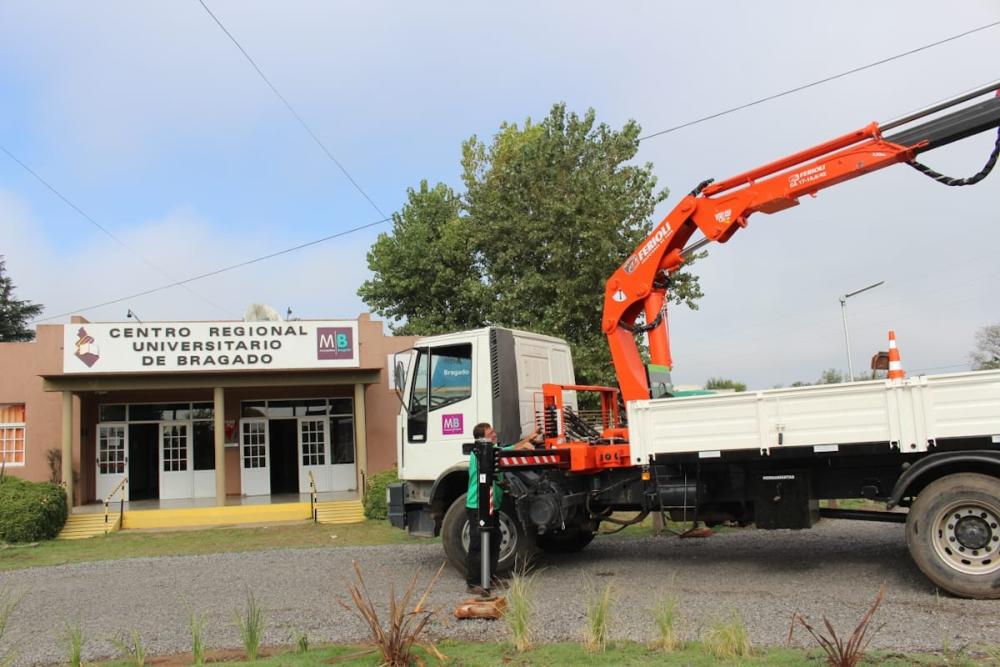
(895,365)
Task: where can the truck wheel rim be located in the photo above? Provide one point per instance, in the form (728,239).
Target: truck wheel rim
(967,536)
(508,536)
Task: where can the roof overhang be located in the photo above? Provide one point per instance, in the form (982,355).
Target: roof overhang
(154,381)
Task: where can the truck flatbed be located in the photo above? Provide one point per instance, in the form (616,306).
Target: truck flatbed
(910,416)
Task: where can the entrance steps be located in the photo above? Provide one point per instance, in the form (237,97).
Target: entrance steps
(81,526)
(340,511)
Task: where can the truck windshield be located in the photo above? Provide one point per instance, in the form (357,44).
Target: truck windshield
(450,377)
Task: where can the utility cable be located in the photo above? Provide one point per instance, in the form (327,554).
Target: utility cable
(818,82)
(216,271)
(386,218)
(292,110)
(101,227)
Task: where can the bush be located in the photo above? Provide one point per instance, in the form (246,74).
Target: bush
(30,511)
(375,505)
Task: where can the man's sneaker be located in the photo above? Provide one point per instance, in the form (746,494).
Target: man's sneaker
(473,589)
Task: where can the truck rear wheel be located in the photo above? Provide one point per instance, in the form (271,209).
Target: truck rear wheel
(515,545)
(568,541)
(953,534)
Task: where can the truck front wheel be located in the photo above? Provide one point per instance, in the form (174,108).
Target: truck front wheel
(953,534)
(515,545)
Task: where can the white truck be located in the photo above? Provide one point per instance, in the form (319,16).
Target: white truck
(928,447)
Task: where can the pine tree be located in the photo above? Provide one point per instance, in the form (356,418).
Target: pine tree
(15,314)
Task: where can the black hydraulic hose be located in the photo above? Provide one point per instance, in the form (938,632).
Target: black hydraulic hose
(971,180)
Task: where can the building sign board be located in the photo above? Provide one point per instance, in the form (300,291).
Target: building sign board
(172,347)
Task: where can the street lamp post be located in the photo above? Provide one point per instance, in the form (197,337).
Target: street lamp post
(847,338)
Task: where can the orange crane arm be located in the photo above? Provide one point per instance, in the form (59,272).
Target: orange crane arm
(718,210)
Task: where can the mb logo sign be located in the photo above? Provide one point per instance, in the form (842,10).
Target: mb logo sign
(451,424)
(334,343)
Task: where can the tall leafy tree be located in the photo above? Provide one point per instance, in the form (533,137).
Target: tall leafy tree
(987,353)
(550,210)
(425,276)
(14,313)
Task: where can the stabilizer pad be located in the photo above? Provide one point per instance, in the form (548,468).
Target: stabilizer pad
(488,608)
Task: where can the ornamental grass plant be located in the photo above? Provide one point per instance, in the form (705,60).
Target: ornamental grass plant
(521,606)
(251,624)
(666,618)
(596,631)
(840,652)
(395,637)
(728,639)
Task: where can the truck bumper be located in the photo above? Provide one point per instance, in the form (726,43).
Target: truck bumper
(416,518)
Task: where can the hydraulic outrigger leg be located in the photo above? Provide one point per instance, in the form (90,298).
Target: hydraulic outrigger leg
(487,605)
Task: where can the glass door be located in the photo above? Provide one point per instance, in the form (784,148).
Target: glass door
(176,475)
(255,475)
(314,454)
(112,458)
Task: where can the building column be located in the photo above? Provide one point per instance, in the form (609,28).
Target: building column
(360,436)
(67,447)
(219,396)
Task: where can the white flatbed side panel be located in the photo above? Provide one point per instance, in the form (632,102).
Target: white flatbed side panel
(961,404)
(906,414)
(834,415)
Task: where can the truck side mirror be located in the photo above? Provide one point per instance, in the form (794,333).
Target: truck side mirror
(399,382)
(399,377)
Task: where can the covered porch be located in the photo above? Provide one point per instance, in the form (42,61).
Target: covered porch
(242,443)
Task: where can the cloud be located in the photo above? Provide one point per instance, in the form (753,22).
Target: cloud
(149,118)
(317,282)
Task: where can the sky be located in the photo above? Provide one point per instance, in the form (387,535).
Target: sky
(148,118)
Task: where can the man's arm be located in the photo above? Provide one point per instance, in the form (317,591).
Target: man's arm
(527,442)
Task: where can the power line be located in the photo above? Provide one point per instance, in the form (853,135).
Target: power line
(101,227)
(217,271)
(292,110)
(818,82)
(375,206)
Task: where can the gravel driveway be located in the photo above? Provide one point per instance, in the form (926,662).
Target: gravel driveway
(834,569)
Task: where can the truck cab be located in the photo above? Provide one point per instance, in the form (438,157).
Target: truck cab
(448,384)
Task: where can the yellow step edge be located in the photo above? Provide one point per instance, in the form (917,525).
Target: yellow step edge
(216,516)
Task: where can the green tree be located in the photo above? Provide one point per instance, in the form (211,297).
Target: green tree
(722,383)
(987,353)
(14,313)
(550,210)
(830,376)
(425,277)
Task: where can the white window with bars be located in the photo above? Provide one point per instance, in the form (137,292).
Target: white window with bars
(111,450)
(12,434)
(175,446)
(313,442)
(254,454)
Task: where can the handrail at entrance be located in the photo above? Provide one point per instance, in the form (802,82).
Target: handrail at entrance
(312,496)
(107,501)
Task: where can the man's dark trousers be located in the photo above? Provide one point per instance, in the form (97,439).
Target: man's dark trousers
(473,562)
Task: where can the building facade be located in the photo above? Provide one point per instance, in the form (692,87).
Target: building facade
(186,410)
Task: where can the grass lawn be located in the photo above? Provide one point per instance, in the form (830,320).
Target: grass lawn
(475,654)
(135,544)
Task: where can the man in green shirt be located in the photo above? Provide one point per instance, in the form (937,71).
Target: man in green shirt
(473,575)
